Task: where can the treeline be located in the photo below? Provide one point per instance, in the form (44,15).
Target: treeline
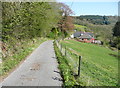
(28,20)
(97,19)
(25,21)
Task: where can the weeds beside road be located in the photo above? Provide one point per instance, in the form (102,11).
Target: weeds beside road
(11,62)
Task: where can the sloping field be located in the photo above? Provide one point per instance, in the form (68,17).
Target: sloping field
(80,27)
(99,65)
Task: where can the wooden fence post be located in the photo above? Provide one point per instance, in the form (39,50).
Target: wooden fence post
(65,50)
(80,57)
(61,48)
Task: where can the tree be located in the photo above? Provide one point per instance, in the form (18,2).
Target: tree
(66,22)
(116,34)
(116,29)
(24,21)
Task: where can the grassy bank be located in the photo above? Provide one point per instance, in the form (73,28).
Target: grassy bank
(80,27)
(66,73)
(11,62)
(99,65)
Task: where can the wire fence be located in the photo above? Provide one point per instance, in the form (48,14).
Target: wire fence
(73,59)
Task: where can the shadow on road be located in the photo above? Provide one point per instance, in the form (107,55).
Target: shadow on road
(56,78)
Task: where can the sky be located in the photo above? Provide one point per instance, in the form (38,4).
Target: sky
(109,7)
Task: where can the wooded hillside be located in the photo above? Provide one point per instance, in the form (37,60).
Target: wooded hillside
(95,23)
(99,20)
(26,23)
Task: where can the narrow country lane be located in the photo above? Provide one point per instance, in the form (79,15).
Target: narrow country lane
(39,69)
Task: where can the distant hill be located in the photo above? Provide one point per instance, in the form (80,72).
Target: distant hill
(97,19)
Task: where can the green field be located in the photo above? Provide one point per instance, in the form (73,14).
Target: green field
(80,27)
(99,65)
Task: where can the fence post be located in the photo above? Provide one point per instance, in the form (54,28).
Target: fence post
(65,50)
(61,48)
(80,57)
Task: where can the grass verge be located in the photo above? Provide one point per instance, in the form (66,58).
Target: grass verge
(66,73)
(12,61)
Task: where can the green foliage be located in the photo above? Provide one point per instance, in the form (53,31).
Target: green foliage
(116,29)
(29,19)
(11,61)
(65,69)
(80,27)
(116,42)
(116,34)
(99,65)
(23,22)
(66,23)
(99,20)
(101,32)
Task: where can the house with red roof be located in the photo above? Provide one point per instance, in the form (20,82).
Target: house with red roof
(87,37)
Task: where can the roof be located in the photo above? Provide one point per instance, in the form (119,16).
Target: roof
(91,34)
(78,34)
(86,35)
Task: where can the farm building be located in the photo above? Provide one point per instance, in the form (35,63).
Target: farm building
(87,37)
